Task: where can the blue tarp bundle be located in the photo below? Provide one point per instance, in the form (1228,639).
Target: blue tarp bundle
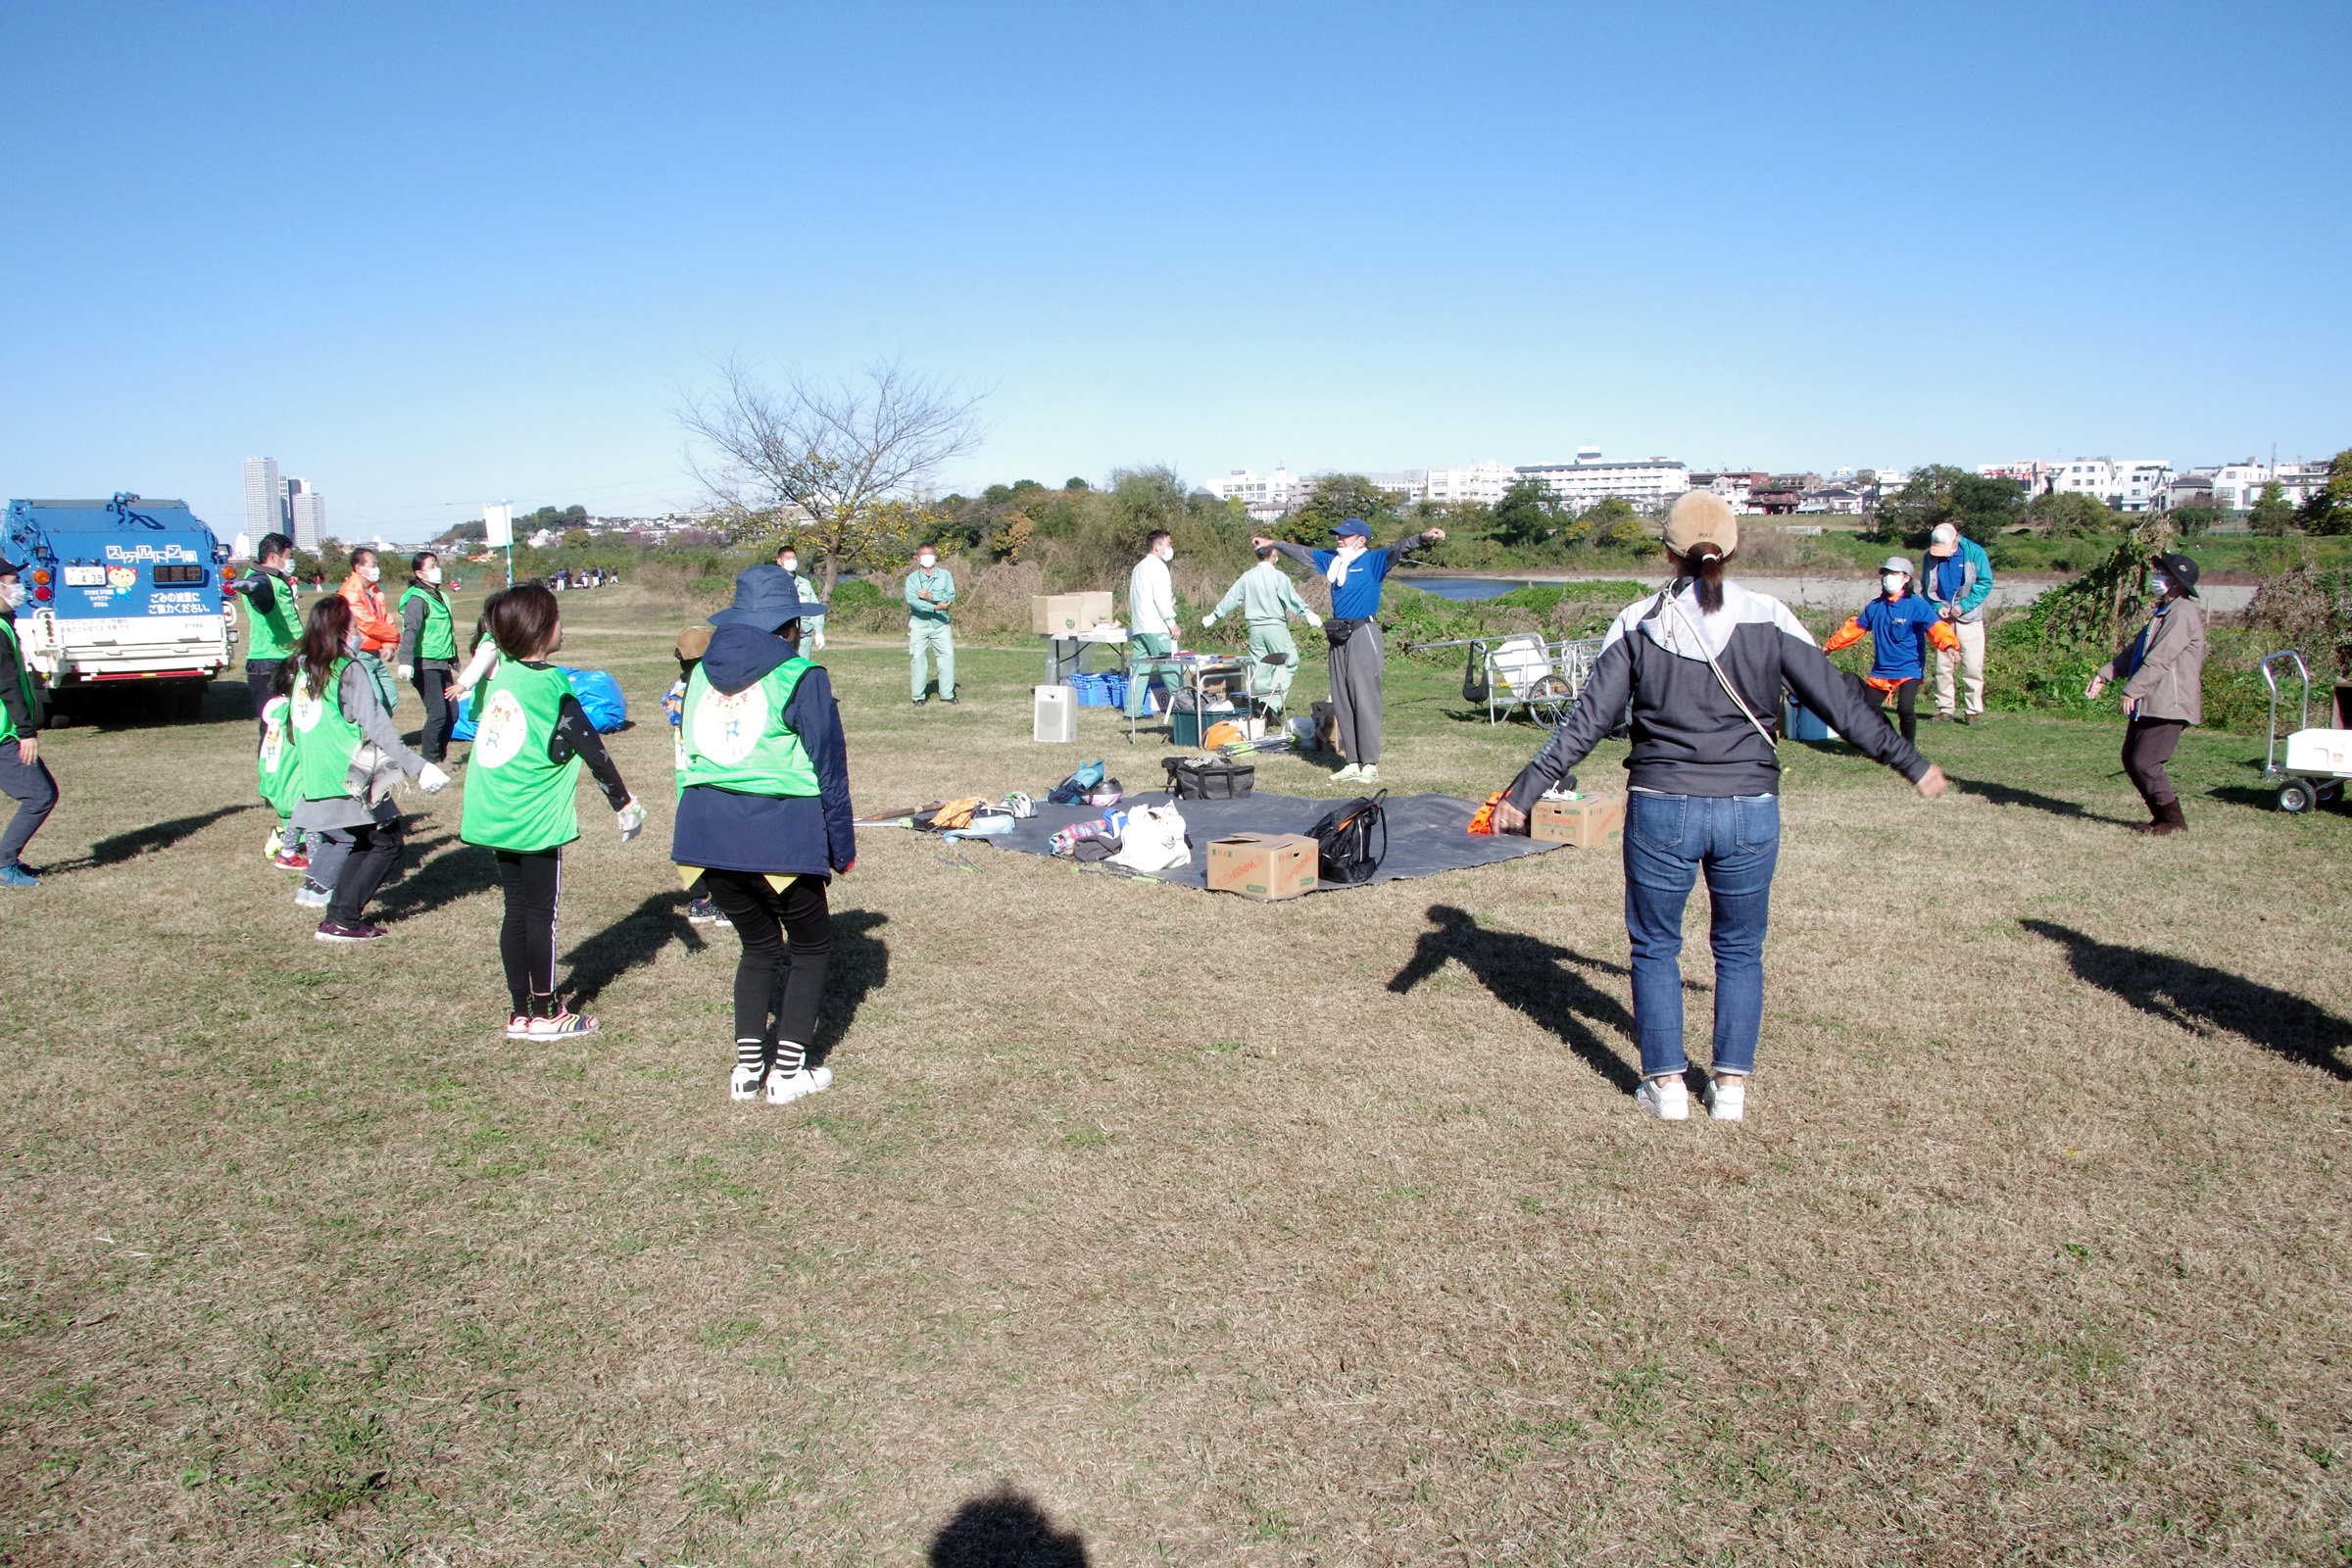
(600,699)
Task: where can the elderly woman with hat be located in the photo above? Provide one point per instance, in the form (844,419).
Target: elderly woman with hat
(764,820)
(1700,666)
(2163,672)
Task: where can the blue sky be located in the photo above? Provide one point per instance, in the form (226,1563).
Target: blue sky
(431,255)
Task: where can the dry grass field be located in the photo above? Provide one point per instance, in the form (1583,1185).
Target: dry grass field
(1148,1226)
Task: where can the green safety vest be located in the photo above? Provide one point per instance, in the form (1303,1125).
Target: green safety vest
(515,799)
(740,742)
(325,740)
(15,661)
(435,639)
(277,630)
(277,764)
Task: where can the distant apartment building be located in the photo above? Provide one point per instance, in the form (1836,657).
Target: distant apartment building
(1402,486)
(264,498)
(1484,482)
(1268,497)
(2236,486)
(1735,485)
(2039,477)
(1648,482)
(1837,500)
(309,511)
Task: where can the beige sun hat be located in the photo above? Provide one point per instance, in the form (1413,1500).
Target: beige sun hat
(1701,517)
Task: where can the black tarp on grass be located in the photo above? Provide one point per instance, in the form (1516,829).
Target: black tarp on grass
(1427,833)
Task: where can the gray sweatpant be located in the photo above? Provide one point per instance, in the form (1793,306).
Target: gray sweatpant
(1356,692)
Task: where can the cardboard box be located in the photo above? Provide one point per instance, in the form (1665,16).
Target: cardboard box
(1591,823)
(1262,866)
(1060,615)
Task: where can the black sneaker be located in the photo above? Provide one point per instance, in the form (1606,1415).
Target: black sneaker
(949,701)
(920,701)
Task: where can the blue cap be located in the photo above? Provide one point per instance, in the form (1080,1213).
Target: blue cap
(765,596)
(1353,525)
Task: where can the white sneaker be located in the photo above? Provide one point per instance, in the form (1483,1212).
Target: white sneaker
(783,1088)
(1727,1098)
(1348,775)
(1667,1099)
(744,1082)
(1370,775)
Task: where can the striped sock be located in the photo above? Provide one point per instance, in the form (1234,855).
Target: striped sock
(790,1053)
(750,1053)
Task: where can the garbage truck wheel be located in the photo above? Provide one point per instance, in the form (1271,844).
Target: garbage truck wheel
(2297,797)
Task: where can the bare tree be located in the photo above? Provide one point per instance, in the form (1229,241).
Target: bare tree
(832,464)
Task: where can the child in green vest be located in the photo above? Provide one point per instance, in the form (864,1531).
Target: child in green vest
(347,759)
(530,740)
(427,659)
(764,820)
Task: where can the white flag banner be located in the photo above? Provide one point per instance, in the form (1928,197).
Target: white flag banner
(497,523)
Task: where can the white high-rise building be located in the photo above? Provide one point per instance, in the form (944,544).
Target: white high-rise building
(1481,481)
(264,497)
(309,508)
(1648,482)
(1266,495)
(2127,484)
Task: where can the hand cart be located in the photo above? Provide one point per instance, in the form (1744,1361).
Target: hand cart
(2318,761)
(1523,670)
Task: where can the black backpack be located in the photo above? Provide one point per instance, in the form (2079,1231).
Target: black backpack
(1345,839)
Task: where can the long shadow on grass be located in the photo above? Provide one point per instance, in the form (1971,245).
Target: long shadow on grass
(1532,975)
(437,883)
(2011,795)
(632,941)
(860,965)
(140,841)
(1005,1530)
(2203,999)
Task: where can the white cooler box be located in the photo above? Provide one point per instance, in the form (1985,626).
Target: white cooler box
(1056,713)
(2320,751)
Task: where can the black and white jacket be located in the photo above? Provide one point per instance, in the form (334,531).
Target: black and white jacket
(1689,737)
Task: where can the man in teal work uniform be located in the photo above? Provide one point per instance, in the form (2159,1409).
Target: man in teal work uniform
(1266,600)
(812,627)
(929,591)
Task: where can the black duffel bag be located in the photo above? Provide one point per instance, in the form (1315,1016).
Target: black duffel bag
(1208,778)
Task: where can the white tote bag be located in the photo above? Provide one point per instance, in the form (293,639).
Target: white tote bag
(1155,840)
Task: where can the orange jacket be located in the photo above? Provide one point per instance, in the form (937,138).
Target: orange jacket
(377,629)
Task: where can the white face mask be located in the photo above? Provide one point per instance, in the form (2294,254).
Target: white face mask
(12,594)
(2162,584)
(789,565)
(926,562)
(430,574)
(1164,550)
(372,573)
(1892,582)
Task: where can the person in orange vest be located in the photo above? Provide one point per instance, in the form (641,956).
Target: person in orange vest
(371,617)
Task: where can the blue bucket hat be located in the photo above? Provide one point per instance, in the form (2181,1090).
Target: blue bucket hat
(765,596)
(1353,525)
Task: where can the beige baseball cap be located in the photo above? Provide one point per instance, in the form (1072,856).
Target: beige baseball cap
(1701,517)
(1945,540)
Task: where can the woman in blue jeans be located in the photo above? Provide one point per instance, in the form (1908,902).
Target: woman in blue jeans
(1701,667)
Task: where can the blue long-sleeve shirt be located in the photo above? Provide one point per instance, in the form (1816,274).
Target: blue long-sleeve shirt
(1359,597)
(1898,636)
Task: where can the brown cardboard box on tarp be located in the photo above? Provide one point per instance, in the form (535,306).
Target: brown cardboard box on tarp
(1060,615)
(1262,866)
(1588,823)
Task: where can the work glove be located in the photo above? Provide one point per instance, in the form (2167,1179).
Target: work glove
(631,818)
(817,641)
(432,780)
(407,672)
(1207,621)
(1313,620)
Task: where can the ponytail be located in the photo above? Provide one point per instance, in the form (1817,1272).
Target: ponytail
(1704,566)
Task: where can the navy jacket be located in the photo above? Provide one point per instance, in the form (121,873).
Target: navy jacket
(728,830)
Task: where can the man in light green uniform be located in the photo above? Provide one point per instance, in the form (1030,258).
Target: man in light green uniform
(929,591)
(812,627)
(1266,600)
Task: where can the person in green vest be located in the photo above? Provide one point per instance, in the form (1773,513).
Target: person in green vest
(929,591)
(272,627)
(530,740)
(1267,601)
(278,772)
(348,758)
(23,777)
(764,820)
(812,627)
(427,656)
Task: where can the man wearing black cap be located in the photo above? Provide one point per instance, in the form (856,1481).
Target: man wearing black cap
(23,776)
(2163,672)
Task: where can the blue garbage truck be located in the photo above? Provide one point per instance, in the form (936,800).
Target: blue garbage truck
(122,596)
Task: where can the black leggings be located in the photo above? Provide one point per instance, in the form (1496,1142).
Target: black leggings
(375,851)
(526,939)
(259,673)
(440,716)
(772,981)
(2147,745)
(1907,706)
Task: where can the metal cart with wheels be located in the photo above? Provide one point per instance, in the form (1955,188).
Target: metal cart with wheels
(2318,761)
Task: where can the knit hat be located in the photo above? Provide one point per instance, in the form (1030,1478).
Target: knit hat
(1944,541)
(1701,517)
(2180,569)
